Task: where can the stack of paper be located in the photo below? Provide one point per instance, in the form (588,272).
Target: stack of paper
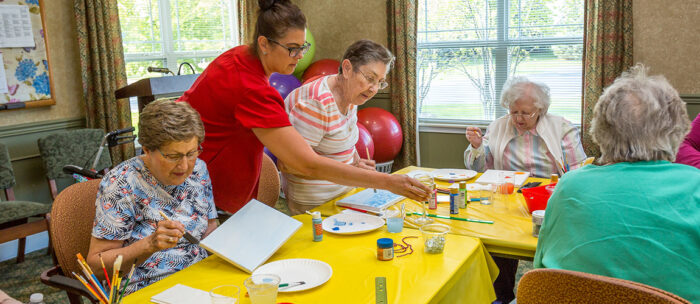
(491,177)
(181,294)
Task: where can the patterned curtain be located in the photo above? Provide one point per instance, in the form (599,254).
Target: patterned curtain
(246,20)
(607,53)
(102,69)
(402,18)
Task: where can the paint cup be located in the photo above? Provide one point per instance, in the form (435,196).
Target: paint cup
(537,219)
(394,224)
(262,288)
(434,237)
(224,294)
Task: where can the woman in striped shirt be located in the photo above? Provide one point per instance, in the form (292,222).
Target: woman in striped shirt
(324,112)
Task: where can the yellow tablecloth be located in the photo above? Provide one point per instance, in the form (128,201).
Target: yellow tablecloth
(463,273)
(510,235)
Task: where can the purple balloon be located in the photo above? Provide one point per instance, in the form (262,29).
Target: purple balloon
(284,84)
(272,156)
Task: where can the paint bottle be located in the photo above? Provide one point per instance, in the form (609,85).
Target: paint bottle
(385,249)
(462,195)
(454,204)
(432,203)
(316,226)
(554,178)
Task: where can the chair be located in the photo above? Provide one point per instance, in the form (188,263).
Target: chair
(14,214)
(269,183)
(566,286)
(70,228)
(73,147)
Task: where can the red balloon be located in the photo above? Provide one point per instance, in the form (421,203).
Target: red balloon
(364,143)
(312,79)
(385,130)
(321,67)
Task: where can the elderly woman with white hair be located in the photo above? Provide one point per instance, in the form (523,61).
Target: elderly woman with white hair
(528,139)
(635,216)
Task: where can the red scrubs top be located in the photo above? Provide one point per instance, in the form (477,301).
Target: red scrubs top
(233,95)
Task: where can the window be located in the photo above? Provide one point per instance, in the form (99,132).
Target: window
(166,33)
(468,48)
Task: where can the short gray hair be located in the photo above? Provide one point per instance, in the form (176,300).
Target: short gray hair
(365,51)
(639,118)
(517,87)
(164,121)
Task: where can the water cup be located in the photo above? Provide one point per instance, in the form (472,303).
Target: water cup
(262,288)
(394,224)
(224,294)
(537,219)
(434,237)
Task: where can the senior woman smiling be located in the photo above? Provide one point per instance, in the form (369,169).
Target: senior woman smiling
(636,215)
(324,112)
(529,139)
(167,178)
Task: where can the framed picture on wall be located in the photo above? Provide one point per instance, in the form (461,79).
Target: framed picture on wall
(26,79)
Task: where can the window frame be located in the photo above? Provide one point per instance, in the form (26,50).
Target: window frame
(501,45)
(167,54)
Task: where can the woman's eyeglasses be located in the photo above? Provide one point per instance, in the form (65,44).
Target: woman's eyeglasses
(370,79)
(177,157)
(523,116)
(294,51)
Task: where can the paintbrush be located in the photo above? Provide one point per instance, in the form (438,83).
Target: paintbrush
(190,238)
(369,158)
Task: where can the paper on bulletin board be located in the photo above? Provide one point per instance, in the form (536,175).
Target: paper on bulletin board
(15,27)
(3,79)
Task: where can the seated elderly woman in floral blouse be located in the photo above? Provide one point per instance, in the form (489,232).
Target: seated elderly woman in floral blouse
(167,178)
(528,139)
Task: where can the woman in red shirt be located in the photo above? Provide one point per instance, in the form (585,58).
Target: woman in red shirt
(242,113)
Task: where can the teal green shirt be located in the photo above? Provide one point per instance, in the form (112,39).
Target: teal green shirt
(634,221)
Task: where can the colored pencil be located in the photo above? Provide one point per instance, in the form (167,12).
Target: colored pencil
(89,288)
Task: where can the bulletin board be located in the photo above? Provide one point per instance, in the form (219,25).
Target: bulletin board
(27,69)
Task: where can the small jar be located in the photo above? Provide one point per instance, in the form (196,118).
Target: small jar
(537,218)
(554,178)
(385,249)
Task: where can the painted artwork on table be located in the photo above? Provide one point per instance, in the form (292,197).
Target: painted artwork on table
(27,74)
(370,199)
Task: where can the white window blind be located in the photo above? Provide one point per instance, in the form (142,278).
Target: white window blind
(468,48)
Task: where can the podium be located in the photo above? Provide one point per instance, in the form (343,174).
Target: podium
(150,89)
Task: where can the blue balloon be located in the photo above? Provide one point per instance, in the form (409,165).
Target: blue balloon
(284,84)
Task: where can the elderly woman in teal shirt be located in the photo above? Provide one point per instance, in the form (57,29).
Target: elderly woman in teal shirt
(636,215)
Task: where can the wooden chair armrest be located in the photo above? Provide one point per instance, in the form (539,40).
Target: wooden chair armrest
(54,277)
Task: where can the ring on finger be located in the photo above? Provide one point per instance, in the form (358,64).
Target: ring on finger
(172,240)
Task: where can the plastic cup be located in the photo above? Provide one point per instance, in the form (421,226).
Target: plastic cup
(394,224)
(537,219)
(224,294)
(434,237)
(262,288)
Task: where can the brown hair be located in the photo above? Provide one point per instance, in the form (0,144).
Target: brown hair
(365,51)
(275,17)
(165,121)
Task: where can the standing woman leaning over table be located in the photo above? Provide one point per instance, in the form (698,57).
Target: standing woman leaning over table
(242,113)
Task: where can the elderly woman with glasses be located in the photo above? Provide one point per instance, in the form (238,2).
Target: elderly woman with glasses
(167,179)
(528,139)
(635,215)
(242,114)
(324,112)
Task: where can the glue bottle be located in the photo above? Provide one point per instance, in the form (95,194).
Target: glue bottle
(316,226)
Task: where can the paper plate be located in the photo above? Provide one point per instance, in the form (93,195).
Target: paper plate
(351,223)
(312,272)
(453,174)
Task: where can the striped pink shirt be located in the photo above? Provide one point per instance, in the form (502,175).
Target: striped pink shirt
(315,115)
